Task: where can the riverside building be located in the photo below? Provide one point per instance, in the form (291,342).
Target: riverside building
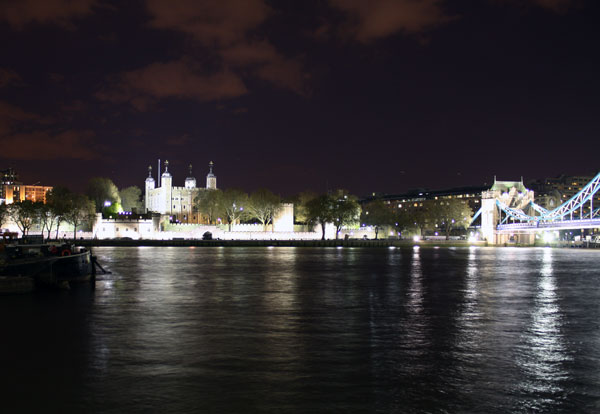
(166,199)
(14,191)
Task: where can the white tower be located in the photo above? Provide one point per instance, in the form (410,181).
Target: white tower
(489,216)
(190,182)
(167,186)
(149,186)
(211,179)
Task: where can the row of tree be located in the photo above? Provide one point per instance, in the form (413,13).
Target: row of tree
(62,206)
(65,206)
(442,216)
(338,208)
(234,205)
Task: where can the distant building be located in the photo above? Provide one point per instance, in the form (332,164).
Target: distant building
(420,198)
(12,190)
(552,192)
(176,202)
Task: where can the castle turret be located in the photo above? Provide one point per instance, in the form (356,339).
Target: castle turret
(211,179)
(166,178)
(149,186)
(167,186)
(190,182)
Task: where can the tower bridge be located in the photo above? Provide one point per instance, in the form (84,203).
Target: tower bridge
(509,212)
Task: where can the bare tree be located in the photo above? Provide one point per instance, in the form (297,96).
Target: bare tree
(345,210)
(24,214)
(235,203)
(319,210)
(80,209)
(263,206)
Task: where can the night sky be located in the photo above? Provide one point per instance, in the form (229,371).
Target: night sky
(376,95)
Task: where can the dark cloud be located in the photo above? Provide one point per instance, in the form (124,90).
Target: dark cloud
(228,29)
(28,136)
(8,76)
(558,6)
(12,116)
(45,145)
(180,140)
(264,62)
(181,79)
(221,22)
(19,13)
(375,19)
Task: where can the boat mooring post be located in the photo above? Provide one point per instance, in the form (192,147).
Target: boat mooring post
(93,278)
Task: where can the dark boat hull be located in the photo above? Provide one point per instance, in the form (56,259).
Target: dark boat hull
(74,268)
(51,270)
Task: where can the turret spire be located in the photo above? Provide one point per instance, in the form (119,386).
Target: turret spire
(190,170)
(166,166)
(211,179)
(150,171)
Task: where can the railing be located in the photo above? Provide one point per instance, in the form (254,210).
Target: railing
(579,223)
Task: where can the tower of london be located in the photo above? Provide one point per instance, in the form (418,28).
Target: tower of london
(176,201)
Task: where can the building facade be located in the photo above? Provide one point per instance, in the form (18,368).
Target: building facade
(552,192)
(14,191)
(175,201)
(422,198)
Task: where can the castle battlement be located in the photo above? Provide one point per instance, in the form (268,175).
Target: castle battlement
(174,200)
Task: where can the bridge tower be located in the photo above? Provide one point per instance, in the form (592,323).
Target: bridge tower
(512,194)
(489,216)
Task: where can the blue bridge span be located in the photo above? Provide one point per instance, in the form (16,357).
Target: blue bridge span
(513,212)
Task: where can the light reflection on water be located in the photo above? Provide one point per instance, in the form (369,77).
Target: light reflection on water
(543,353)
(303,330)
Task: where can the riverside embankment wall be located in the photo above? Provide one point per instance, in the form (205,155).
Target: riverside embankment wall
(282,243)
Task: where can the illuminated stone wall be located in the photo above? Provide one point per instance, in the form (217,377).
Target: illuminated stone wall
(131,228)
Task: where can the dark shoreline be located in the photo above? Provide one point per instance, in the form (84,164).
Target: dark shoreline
(302,243)
(280,243)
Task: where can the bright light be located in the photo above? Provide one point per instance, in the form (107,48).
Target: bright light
(472,238)
(548,237)
(107,203)
(416,239)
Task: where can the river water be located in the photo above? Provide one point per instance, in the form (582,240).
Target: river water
(303,330)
